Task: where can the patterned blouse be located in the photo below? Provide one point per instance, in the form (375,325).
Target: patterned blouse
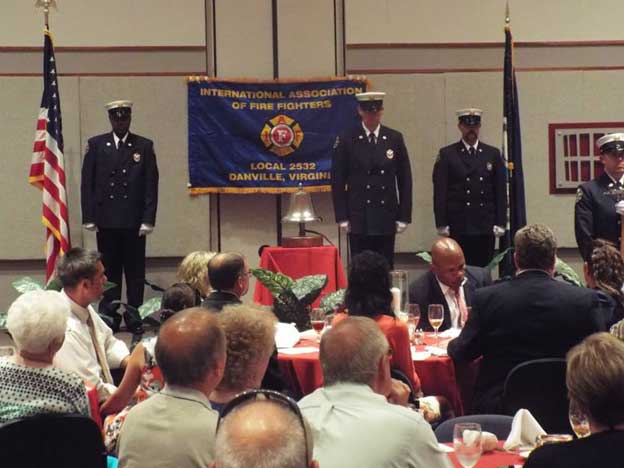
(27,391)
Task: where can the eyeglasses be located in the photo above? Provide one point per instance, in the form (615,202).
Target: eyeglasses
(270,395)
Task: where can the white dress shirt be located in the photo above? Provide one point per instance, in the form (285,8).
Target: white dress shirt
(117,139)
(78,353)
(374,132)
(451,301)
(354,427)
(475,146)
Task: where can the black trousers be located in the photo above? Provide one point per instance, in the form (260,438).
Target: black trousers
(123,251)
(478,250)
(380,244)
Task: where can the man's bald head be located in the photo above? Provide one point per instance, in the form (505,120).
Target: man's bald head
(190,346)
(448,262)
(261,433)
(227,271)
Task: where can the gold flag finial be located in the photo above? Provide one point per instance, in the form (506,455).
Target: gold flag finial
(46,4)
(507,19)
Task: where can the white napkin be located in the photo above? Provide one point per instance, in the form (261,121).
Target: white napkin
(450,333)
(300,350)
(524,431)
(286,335)
(436,351)
(308,334)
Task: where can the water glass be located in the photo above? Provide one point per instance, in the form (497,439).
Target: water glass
(413,317)
(578,421)
(398,287)
(467,443)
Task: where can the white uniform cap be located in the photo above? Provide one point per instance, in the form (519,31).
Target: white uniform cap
(370,96)
(469,111)
(118,104)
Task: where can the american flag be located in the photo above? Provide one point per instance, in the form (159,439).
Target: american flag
(47,170)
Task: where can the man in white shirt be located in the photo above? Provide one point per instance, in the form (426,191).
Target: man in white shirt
(449,282)
(354,421)
(90,349)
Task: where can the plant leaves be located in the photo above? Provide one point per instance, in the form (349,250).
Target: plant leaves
(496,259)
(308,288)
(3,319)
(567,272)
(26,284)
(333,300)
(149,307)
(54,284)
(426,256)
(274,282)
(288,309)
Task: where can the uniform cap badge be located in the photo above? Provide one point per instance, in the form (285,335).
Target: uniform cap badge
(136,157)
(488,166)
(390,154)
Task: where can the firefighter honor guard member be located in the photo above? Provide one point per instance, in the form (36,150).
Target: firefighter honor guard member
(598,207)
(469,193)
(372,181)
(119,190)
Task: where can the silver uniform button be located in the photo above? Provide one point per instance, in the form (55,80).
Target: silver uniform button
(467,203)
(123,171)
(125,196)
(467,179)
(481,205)
(382,202)
(368,201)
(481,179)
(468,192)
(112,184)
(381,172)
(368,187)
(111,197)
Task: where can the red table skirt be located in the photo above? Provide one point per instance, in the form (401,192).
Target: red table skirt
(298,262)
(437,375)
(495,459)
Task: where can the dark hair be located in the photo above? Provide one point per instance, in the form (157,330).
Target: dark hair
(607,268)
(535,247)
(368,293)
(190,344)
(177,297)
(224,269)
(77,264)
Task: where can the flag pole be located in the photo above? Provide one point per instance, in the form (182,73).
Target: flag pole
(45,5)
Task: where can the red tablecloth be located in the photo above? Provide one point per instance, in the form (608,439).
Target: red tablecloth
(302,261)
(495,459)
(437,374)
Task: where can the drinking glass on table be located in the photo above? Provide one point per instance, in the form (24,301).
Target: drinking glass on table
(317,318)
(413,317)
(578,421)
(467,443)
(435,314)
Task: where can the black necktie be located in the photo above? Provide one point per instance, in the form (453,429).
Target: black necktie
(371,138)
(471,151)
(120,145)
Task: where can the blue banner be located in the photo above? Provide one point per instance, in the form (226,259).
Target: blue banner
(266,137)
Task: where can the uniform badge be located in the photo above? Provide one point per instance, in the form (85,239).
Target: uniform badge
(337,142)
(136,157)
(390,154)
(488,166)
(579,195)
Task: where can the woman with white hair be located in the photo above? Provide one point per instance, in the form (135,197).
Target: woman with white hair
(29,385)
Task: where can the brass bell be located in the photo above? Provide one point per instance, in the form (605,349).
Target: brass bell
(301,211)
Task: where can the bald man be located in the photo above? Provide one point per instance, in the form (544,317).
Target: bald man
(228,273)
(448,282)
(265,429)
(176,426)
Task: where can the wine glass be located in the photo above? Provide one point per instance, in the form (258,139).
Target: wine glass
(578,421)
(467,443)
(317,319)
(413,317)
(435,314)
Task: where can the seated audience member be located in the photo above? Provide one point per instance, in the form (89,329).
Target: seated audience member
(264,434)
(449,282)
(176,427)
(142,370)
(368,295)
(595,381)
(250,337)
(228,274)
(29,384)
(354,422)
(531,316)
(604,271)
(90,349)
(194,270)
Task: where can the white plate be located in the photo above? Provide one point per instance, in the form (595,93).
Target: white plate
(420,355)
(525,453)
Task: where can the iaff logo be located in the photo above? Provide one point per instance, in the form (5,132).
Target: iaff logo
(281,135)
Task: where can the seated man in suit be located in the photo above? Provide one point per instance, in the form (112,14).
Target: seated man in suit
(228,273)
(448,282)
(531,316)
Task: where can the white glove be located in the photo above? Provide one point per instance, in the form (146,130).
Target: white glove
(400,227)
(145,229)
(498,231)
(619,207)
(90,227)
(344,225)
(444,231)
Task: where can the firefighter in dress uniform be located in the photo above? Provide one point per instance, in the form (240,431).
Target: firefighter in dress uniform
(469,193)
(119,191)
(599,205)
(372,181)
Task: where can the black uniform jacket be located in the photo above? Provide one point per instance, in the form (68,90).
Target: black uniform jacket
(531,316)
(426,290)
(366,179)
(469,192)
(119,189)
(594,214)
